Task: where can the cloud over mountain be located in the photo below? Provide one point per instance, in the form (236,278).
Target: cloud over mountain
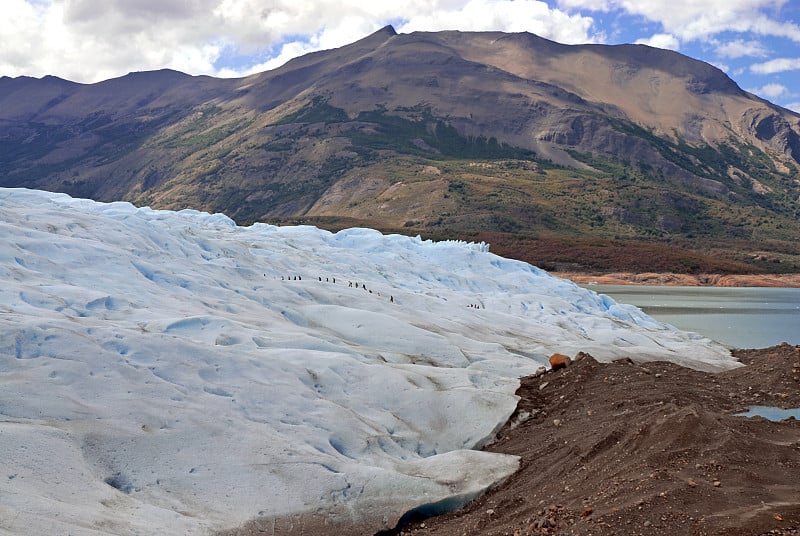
(92,40)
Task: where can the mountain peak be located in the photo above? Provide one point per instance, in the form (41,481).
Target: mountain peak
(387,30)
(378,37)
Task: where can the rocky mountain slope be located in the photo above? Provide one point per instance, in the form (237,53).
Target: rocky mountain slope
(447,133)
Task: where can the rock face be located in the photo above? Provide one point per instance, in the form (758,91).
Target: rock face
(644,141)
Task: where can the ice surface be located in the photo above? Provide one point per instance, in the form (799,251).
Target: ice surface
(172,373)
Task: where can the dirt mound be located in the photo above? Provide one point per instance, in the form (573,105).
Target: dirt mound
(647,448)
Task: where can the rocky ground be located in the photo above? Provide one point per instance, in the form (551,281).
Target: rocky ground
(628,448)
(646,448)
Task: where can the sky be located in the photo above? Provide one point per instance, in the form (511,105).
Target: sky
(756,42)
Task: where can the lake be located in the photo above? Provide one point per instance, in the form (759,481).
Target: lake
(738,317)
(771,413)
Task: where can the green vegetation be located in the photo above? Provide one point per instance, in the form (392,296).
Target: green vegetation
(680,207)
(420,134)
(497,188)
(17,146)
(702,160)
(317,111)
(203,128)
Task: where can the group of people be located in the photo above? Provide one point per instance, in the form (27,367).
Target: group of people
(333,280)
(357,284)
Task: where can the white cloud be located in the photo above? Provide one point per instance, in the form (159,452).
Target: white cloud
(505,15)
(667,41)
(778,65)
(691,20)
(287,52)
(91,40)
(771,91)
(739,48)
(592,5)
(724,67)
(793,106)
(767,26)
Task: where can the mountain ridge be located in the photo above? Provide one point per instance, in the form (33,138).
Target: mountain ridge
(438,132)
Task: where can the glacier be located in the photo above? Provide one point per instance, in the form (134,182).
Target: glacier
(174,373)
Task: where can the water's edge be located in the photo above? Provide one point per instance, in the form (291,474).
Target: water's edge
(740,317)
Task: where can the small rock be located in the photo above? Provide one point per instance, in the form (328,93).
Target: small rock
(490,512)
(587,512)
(556,422)
(539,371)
(647,524)
(691,482)
(543,385)
(657,374)
(717,483)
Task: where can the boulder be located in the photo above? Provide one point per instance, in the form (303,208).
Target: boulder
(558,361)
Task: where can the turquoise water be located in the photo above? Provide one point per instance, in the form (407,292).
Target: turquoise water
(737,317)
(771,413)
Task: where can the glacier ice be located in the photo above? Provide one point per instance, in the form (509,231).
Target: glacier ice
(171,372)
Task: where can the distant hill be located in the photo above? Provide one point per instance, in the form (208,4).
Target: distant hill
(552,152)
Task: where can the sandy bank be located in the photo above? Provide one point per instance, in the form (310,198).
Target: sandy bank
(687,280)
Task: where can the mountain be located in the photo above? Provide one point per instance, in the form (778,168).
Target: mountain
(171,373)
(453,134)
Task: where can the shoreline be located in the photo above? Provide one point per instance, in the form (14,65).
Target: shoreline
(684,280)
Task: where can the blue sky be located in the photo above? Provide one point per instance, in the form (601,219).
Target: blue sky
(756,42)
